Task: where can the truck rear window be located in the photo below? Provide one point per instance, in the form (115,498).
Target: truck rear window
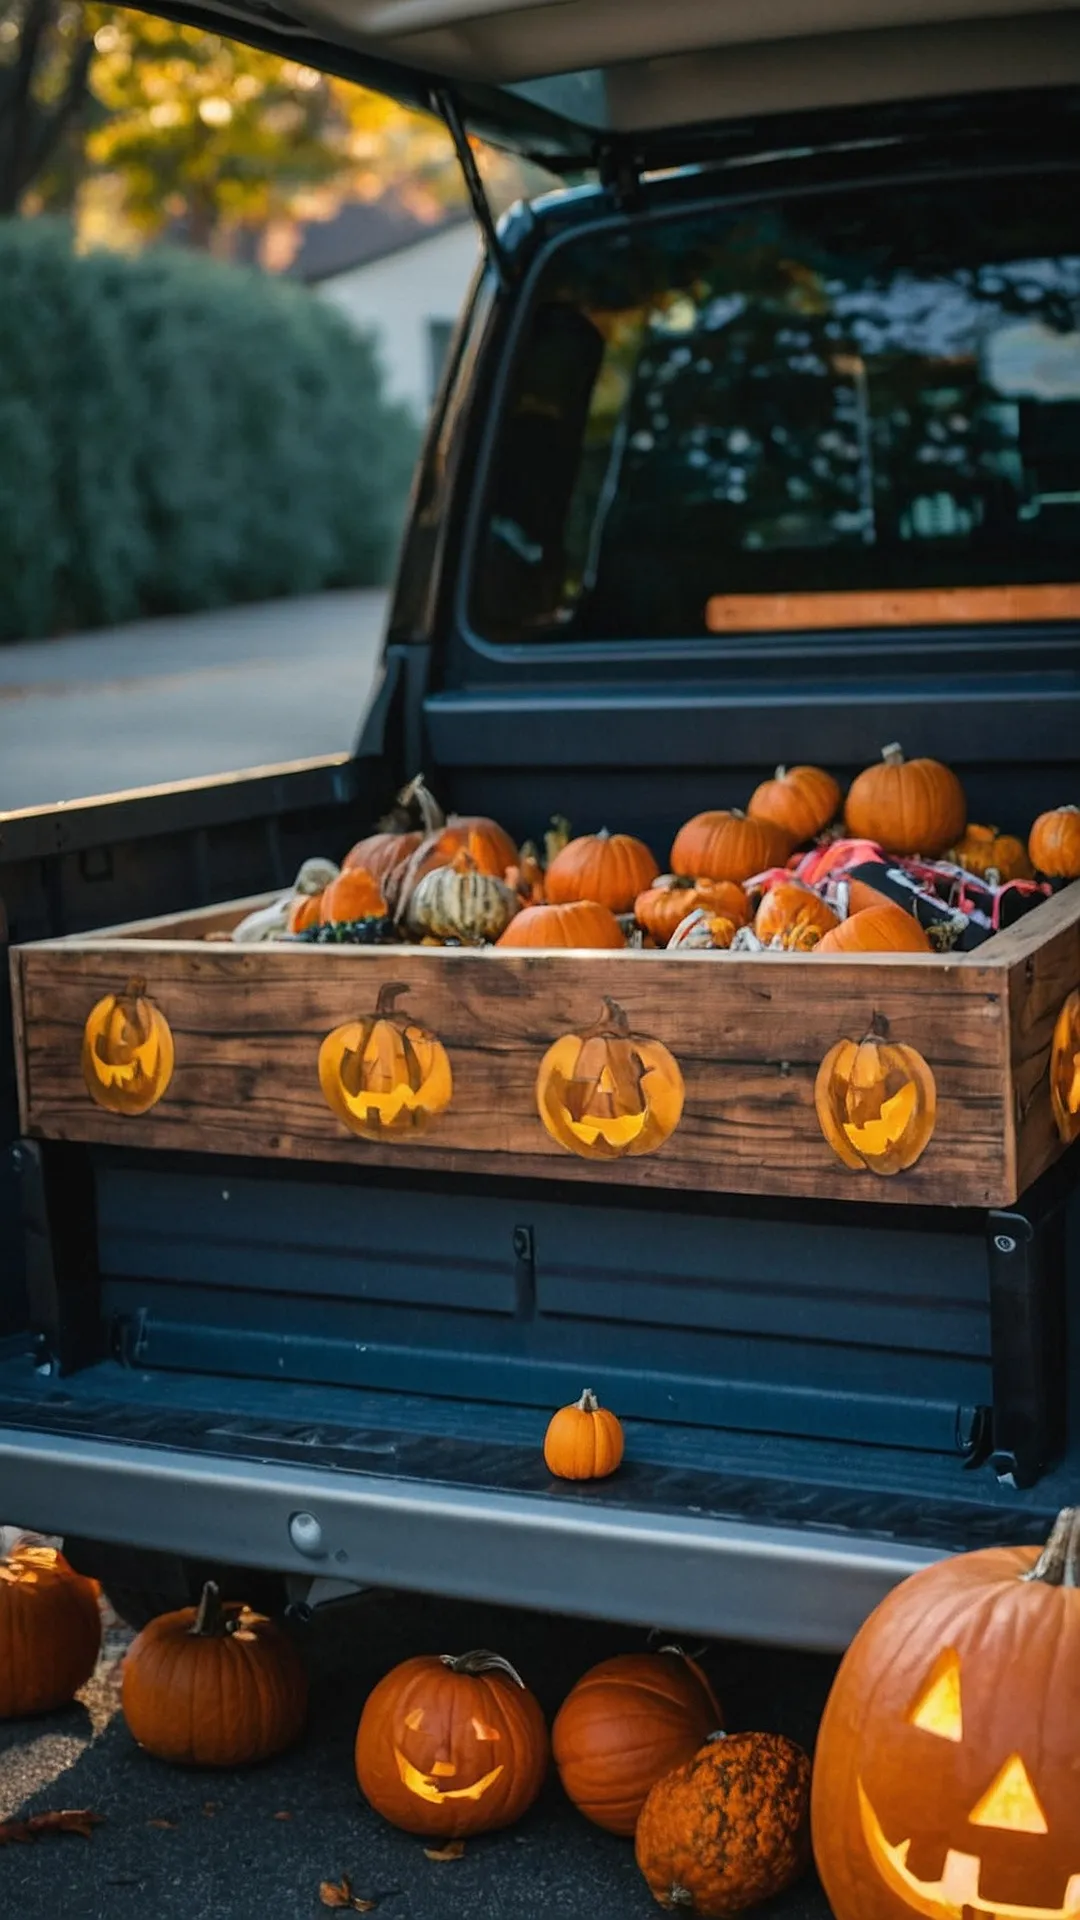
(867,402)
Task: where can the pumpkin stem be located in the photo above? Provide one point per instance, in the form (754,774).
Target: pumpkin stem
(588,1402)
(679,1897)
(780,774)
(878,1028)
(135,988)
(390,992)
(612,1021)
(1059,1563)
(893,754)
(210,1622)
(481,1661)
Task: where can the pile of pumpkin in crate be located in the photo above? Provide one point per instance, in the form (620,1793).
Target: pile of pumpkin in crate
(895,866)
(943,1781)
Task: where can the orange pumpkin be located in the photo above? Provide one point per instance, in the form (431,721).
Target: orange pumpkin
(610,867)
(1054,843)
(985,851)
(50,1631)
(624,1725)
(728,846)
(1065,1069)
(663,907)
(385,1077)
(450,1745)
(127,1051)
(585,924)
(947,1765)
(304,911)
(876,1104)
(527,878)
(884,929)
(907,806)
(729,1828)
(214,1686)
(354,895)
(788,909)
(583,1441)
(606,1093)
(801,801)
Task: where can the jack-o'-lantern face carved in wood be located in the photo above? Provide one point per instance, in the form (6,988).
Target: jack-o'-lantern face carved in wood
(608,1092)
(949,1764)
(876,1104)
(127,1052)
(384,1077)
(1065,1069)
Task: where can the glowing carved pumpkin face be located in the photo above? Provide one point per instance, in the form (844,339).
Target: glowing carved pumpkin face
(949,1781)
(876,1104)
(127,1053)
(1065,1069)
(609,1093)
(383,1076)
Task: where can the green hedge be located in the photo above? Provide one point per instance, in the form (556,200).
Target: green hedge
(178,434)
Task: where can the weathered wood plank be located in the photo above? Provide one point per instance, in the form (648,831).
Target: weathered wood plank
(1040,979)
(196,925)
(749,1034)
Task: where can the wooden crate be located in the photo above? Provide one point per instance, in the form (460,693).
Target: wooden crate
(748,1031)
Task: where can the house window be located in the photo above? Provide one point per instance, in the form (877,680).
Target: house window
(439,335)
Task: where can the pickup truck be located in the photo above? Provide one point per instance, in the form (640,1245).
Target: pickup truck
(759,441)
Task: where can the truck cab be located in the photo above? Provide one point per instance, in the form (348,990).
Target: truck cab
(758,442)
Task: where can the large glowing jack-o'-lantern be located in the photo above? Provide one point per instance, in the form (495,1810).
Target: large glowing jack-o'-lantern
(450,1745)
(608,1092)
(127,1051)
(876,1104)
(947,1777)
(1065,1069)
(383,1076)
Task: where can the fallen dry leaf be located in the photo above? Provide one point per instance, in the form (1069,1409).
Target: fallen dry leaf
(339,1893)
(71,1820)
(170,1825)
(453,1850)
(283,1816)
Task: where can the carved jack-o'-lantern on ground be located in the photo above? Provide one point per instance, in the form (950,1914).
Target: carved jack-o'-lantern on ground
(608,1092)
(450,1744)
(1065,1069)
(876,1104)
(127,1053)
(384,1077)
(947,1778)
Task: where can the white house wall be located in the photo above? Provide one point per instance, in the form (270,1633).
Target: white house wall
(397,298)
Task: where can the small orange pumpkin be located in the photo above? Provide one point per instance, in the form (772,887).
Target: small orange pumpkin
(451,1744)
(907,806)
(354,895)
(801,801)
(384,1076)
(607,1092)
(50,1631)
(527,878)
(789,908)
(985,851)
(127,1051)
(583,1441)
(663,907)
(728,845)
(729,1828)
(1054,843)
(213,1686)
(876,1104)
(584,924)
(624,1725)
(883,929)
(304,911)
(610,867)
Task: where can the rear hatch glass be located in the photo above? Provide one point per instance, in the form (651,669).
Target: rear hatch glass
(839,409)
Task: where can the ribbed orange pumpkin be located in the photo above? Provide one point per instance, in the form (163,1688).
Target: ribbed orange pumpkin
(583,1441)
(50,1631)
(876,1104)
(380,854)
(1054,843)
(907,806)
(214,1686)
(728,846)
(627,1722)
(612,868)
(789,909)
(729,1828)
(662,908)
(450,1745)
(354,895)
(983,850)
(585,924)
(801,801)
(884,929)
(304,912)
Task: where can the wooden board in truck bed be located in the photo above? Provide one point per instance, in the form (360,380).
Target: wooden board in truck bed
(749,1033)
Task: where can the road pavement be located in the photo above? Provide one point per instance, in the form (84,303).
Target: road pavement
(255,1845)
(177,698)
